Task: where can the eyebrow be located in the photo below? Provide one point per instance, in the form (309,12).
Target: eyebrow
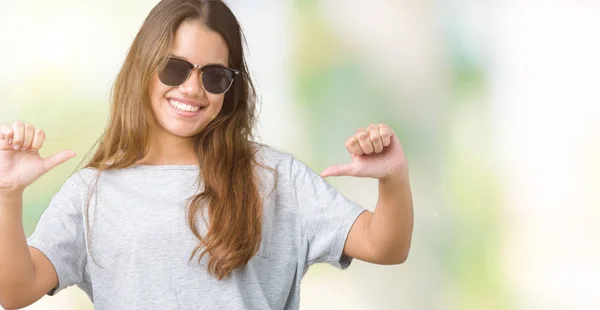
(208,64)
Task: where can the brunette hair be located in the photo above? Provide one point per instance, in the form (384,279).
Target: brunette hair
(227,157)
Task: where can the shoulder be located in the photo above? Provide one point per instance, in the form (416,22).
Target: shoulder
(80,181)
(84,177)
(71,195)
(273,158)
(282,165)
(283,162)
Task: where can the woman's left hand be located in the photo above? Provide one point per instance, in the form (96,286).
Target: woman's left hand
(376,153)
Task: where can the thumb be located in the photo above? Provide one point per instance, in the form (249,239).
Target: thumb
(57,159)
(339,170)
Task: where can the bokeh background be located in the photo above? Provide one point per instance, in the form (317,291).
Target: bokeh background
(496,103)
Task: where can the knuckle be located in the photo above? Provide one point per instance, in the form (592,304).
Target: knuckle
(5,128)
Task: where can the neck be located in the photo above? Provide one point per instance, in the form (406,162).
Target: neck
(167,149)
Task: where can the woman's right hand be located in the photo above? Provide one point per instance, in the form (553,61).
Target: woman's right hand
(20,160)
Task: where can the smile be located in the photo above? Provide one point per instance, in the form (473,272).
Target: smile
(184,107)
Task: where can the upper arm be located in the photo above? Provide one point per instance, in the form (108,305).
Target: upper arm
(325,216)
(357,244)
(45,280)
(360,246)
(45,275)
(57,245)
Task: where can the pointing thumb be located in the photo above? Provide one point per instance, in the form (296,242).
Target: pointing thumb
(57,159)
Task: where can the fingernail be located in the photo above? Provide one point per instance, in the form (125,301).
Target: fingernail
(16,147)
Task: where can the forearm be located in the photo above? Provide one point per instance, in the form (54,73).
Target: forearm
(391,226)
(16,266)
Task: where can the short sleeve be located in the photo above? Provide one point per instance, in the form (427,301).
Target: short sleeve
(325,214)
(59,234)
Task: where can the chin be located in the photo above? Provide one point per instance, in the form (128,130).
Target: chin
(181,130)
(186,133)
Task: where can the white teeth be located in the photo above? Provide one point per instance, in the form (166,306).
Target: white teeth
(184,107)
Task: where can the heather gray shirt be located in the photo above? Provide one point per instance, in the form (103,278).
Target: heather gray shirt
(141,243)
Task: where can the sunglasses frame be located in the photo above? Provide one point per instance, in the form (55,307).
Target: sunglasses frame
(199,67)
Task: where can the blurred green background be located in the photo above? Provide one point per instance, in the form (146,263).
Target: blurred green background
(495,102)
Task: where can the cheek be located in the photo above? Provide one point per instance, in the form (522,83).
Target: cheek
(157,91)
(216,102)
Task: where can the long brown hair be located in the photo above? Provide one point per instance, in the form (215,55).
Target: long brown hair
(226,155)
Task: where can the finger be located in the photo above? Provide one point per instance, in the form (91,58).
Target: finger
(386,133)
(353,146)
(375,138)
(28,137)
(6,136)
(39,137)
(6,132)
(57,159)
(339,170)
(364,141)
(18,135)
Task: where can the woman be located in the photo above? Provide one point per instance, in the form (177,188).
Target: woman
(178,209)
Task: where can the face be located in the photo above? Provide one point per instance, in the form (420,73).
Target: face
(184,111)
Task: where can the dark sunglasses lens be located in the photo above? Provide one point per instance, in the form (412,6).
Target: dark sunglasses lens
(175,72)
(216,79)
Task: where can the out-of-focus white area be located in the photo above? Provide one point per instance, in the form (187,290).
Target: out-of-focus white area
(545,104)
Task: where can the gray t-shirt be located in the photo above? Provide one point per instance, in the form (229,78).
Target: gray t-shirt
(141,241)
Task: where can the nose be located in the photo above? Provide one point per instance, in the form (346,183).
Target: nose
(193,86)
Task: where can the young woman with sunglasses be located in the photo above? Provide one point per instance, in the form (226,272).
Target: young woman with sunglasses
(178,208)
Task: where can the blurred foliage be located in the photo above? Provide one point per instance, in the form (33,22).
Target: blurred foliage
(339,92)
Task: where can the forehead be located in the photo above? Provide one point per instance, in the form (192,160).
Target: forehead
(199,45)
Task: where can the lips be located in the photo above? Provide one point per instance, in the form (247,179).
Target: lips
(183,106)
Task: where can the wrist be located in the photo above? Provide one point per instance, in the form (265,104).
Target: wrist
(396,177)
(10,195)
(395,184)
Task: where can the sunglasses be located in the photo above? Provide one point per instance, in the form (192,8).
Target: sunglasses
(216,79)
